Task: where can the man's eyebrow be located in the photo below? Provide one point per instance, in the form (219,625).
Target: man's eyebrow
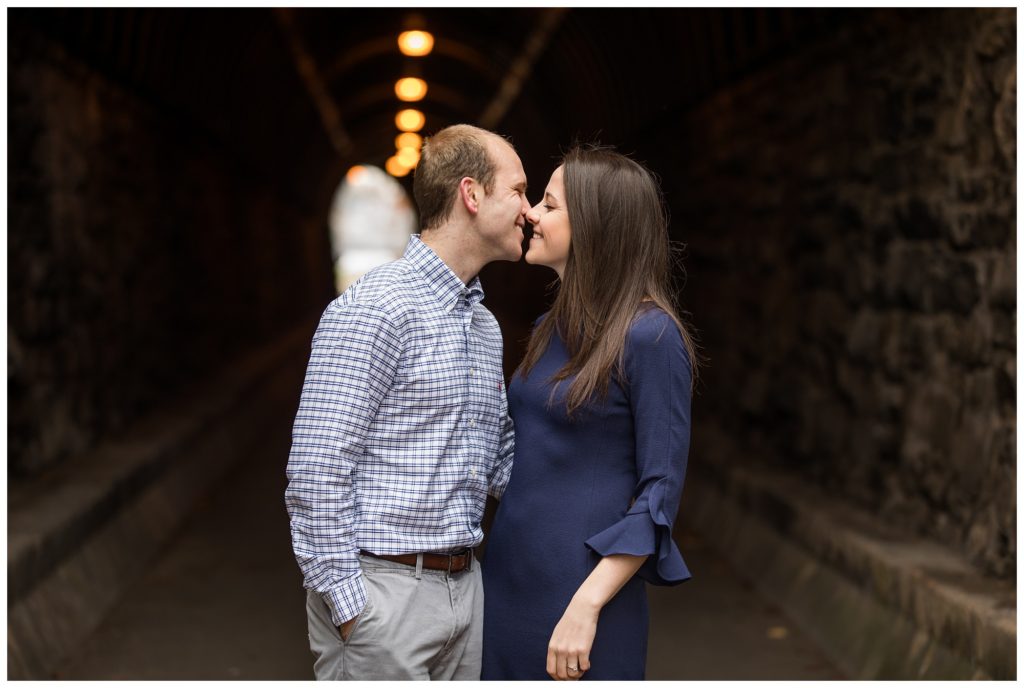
(521,186)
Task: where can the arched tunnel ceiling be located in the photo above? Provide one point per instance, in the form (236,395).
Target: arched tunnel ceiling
(235,75)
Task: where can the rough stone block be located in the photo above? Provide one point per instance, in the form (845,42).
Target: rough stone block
(917,220)
(971,342)
(1006,384)
(1004,330)
(955,284)
(971,458)
(1003,292)
(932,411)
(975,228)
(1005,119)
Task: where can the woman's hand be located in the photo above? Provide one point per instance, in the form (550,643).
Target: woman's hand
(569,648)
(574,635)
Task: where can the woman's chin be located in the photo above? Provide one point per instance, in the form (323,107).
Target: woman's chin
(532,258)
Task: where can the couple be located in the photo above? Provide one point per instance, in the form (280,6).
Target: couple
(403,429)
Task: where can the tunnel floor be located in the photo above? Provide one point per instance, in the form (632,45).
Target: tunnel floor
(225,601)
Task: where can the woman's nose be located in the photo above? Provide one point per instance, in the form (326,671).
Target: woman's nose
(532,215)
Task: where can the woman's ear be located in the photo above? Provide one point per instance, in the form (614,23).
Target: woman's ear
(468,190)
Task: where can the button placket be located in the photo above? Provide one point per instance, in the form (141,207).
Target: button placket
(475,408)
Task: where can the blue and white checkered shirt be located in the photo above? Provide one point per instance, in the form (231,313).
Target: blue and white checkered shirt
(402,428)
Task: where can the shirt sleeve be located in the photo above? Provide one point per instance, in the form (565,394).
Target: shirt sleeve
(352,367)
(499,477)
(506,449)
(658,379)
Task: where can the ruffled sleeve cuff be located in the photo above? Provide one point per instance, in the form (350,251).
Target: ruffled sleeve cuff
(640,533)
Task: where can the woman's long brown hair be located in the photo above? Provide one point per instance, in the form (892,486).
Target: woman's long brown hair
(619,257)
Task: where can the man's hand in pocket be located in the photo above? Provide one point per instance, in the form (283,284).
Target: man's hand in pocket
(345,629)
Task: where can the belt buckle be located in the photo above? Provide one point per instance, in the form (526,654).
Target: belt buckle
(451,558)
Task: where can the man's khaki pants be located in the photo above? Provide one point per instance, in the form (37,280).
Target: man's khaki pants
(418,624)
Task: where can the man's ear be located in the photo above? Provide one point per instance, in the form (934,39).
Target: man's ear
(468,194)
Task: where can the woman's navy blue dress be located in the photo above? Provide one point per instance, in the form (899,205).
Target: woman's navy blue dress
(606,482)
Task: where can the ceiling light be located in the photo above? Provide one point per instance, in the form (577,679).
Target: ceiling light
(409,140)
(415,43)
(396,168)
(408,156)
(410,120)
(410,89)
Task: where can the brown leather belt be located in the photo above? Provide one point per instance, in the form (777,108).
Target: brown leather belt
(452,563)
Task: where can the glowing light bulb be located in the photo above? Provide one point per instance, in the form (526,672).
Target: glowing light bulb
(408,156)
(409,140)
(415,43)
(410,120)
(396,168)
(410,89)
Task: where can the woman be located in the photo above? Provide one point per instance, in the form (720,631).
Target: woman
(601,404)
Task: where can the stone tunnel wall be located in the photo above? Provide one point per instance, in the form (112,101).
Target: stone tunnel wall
(851,220)
(142,255)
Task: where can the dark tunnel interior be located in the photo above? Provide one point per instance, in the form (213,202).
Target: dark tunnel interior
(841,186)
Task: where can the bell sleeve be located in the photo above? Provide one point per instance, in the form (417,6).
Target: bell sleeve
(658,376)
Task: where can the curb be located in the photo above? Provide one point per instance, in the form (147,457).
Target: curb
(883,605)
(80,534)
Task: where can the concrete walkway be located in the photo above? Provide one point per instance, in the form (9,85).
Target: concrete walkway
(224,601)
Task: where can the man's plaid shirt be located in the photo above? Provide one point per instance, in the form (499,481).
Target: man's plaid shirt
(402,428)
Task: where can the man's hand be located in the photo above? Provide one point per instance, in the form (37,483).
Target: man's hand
(345,629)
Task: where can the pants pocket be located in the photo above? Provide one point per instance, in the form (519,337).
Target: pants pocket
(360,620)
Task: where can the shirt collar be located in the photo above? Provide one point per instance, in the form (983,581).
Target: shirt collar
(445,284)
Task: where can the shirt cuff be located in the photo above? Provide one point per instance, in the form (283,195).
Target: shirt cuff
(346,601)
(498,489)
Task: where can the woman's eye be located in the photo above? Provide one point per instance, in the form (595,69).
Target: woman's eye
(548,207)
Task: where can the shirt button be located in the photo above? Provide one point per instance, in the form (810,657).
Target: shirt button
(472,472)
(472,422)
(472,372)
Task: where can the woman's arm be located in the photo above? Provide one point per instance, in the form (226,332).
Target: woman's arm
(658,371)
(574,634)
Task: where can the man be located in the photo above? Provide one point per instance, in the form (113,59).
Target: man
(402,431)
